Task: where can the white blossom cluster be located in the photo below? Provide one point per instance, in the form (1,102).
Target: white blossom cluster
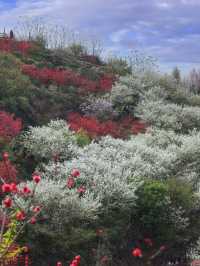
(158,154)
(53,139)
(104,171)
(170,116)
(100,108)
(62,205)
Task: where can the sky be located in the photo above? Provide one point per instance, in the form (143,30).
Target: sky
(168,30)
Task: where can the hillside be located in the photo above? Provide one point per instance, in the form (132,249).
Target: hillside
(113,152)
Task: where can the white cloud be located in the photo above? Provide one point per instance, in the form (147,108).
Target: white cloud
(164,5)
(190,2)
(118,35)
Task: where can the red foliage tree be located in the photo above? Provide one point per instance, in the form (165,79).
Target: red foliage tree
(9,126)
(68,78)
(95,128)
(11,45)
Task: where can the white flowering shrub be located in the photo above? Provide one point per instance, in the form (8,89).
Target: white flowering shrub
(100,108)
(64,206)
(113,170)
(126,93)
(54,139)
(111,162)
(100,172)
(170,116)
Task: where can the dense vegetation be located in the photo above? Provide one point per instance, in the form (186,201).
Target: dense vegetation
(123,140)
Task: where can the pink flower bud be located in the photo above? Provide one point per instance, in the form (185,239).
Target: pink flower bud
(36,178)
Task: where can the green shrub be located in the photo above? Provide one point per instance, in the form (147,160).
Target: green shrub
(15,88)
(167,212)
(82,138)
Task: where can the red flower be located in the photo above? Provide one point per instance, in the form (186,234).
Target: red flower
(137,252)
(20,216)
(76,261)
(59,263)
(75,173)
(7,202)
(148,242)
(163,248)
(81,190)
(14,187)
(78,258)
(6,188)
(37,209)
(33,220)
(104,259)
(5,156)
(36,178)
(70,182)
(26,190)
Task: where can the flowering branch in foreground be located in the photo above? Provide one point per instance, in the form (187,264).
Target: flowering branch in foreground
(17,210)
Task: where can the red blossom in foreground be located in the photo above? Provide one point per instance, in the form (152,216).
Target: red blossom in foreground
(76,261)
(10,126)
(14,209)
(137,252)
(68,78)
(20,216)
(70,182)
(37,209)
(81,190)
(75,173)
(33,220)
(14,188)
(5,156)
(95,128)
(7,202)
(26,190)
(6,188)
(36,178)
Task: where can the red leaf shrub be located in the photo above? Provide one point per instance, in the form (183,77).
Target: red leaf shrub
(95,128)
(9,126)
(11,45)
(68,78)
(8,171)
(23,46)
